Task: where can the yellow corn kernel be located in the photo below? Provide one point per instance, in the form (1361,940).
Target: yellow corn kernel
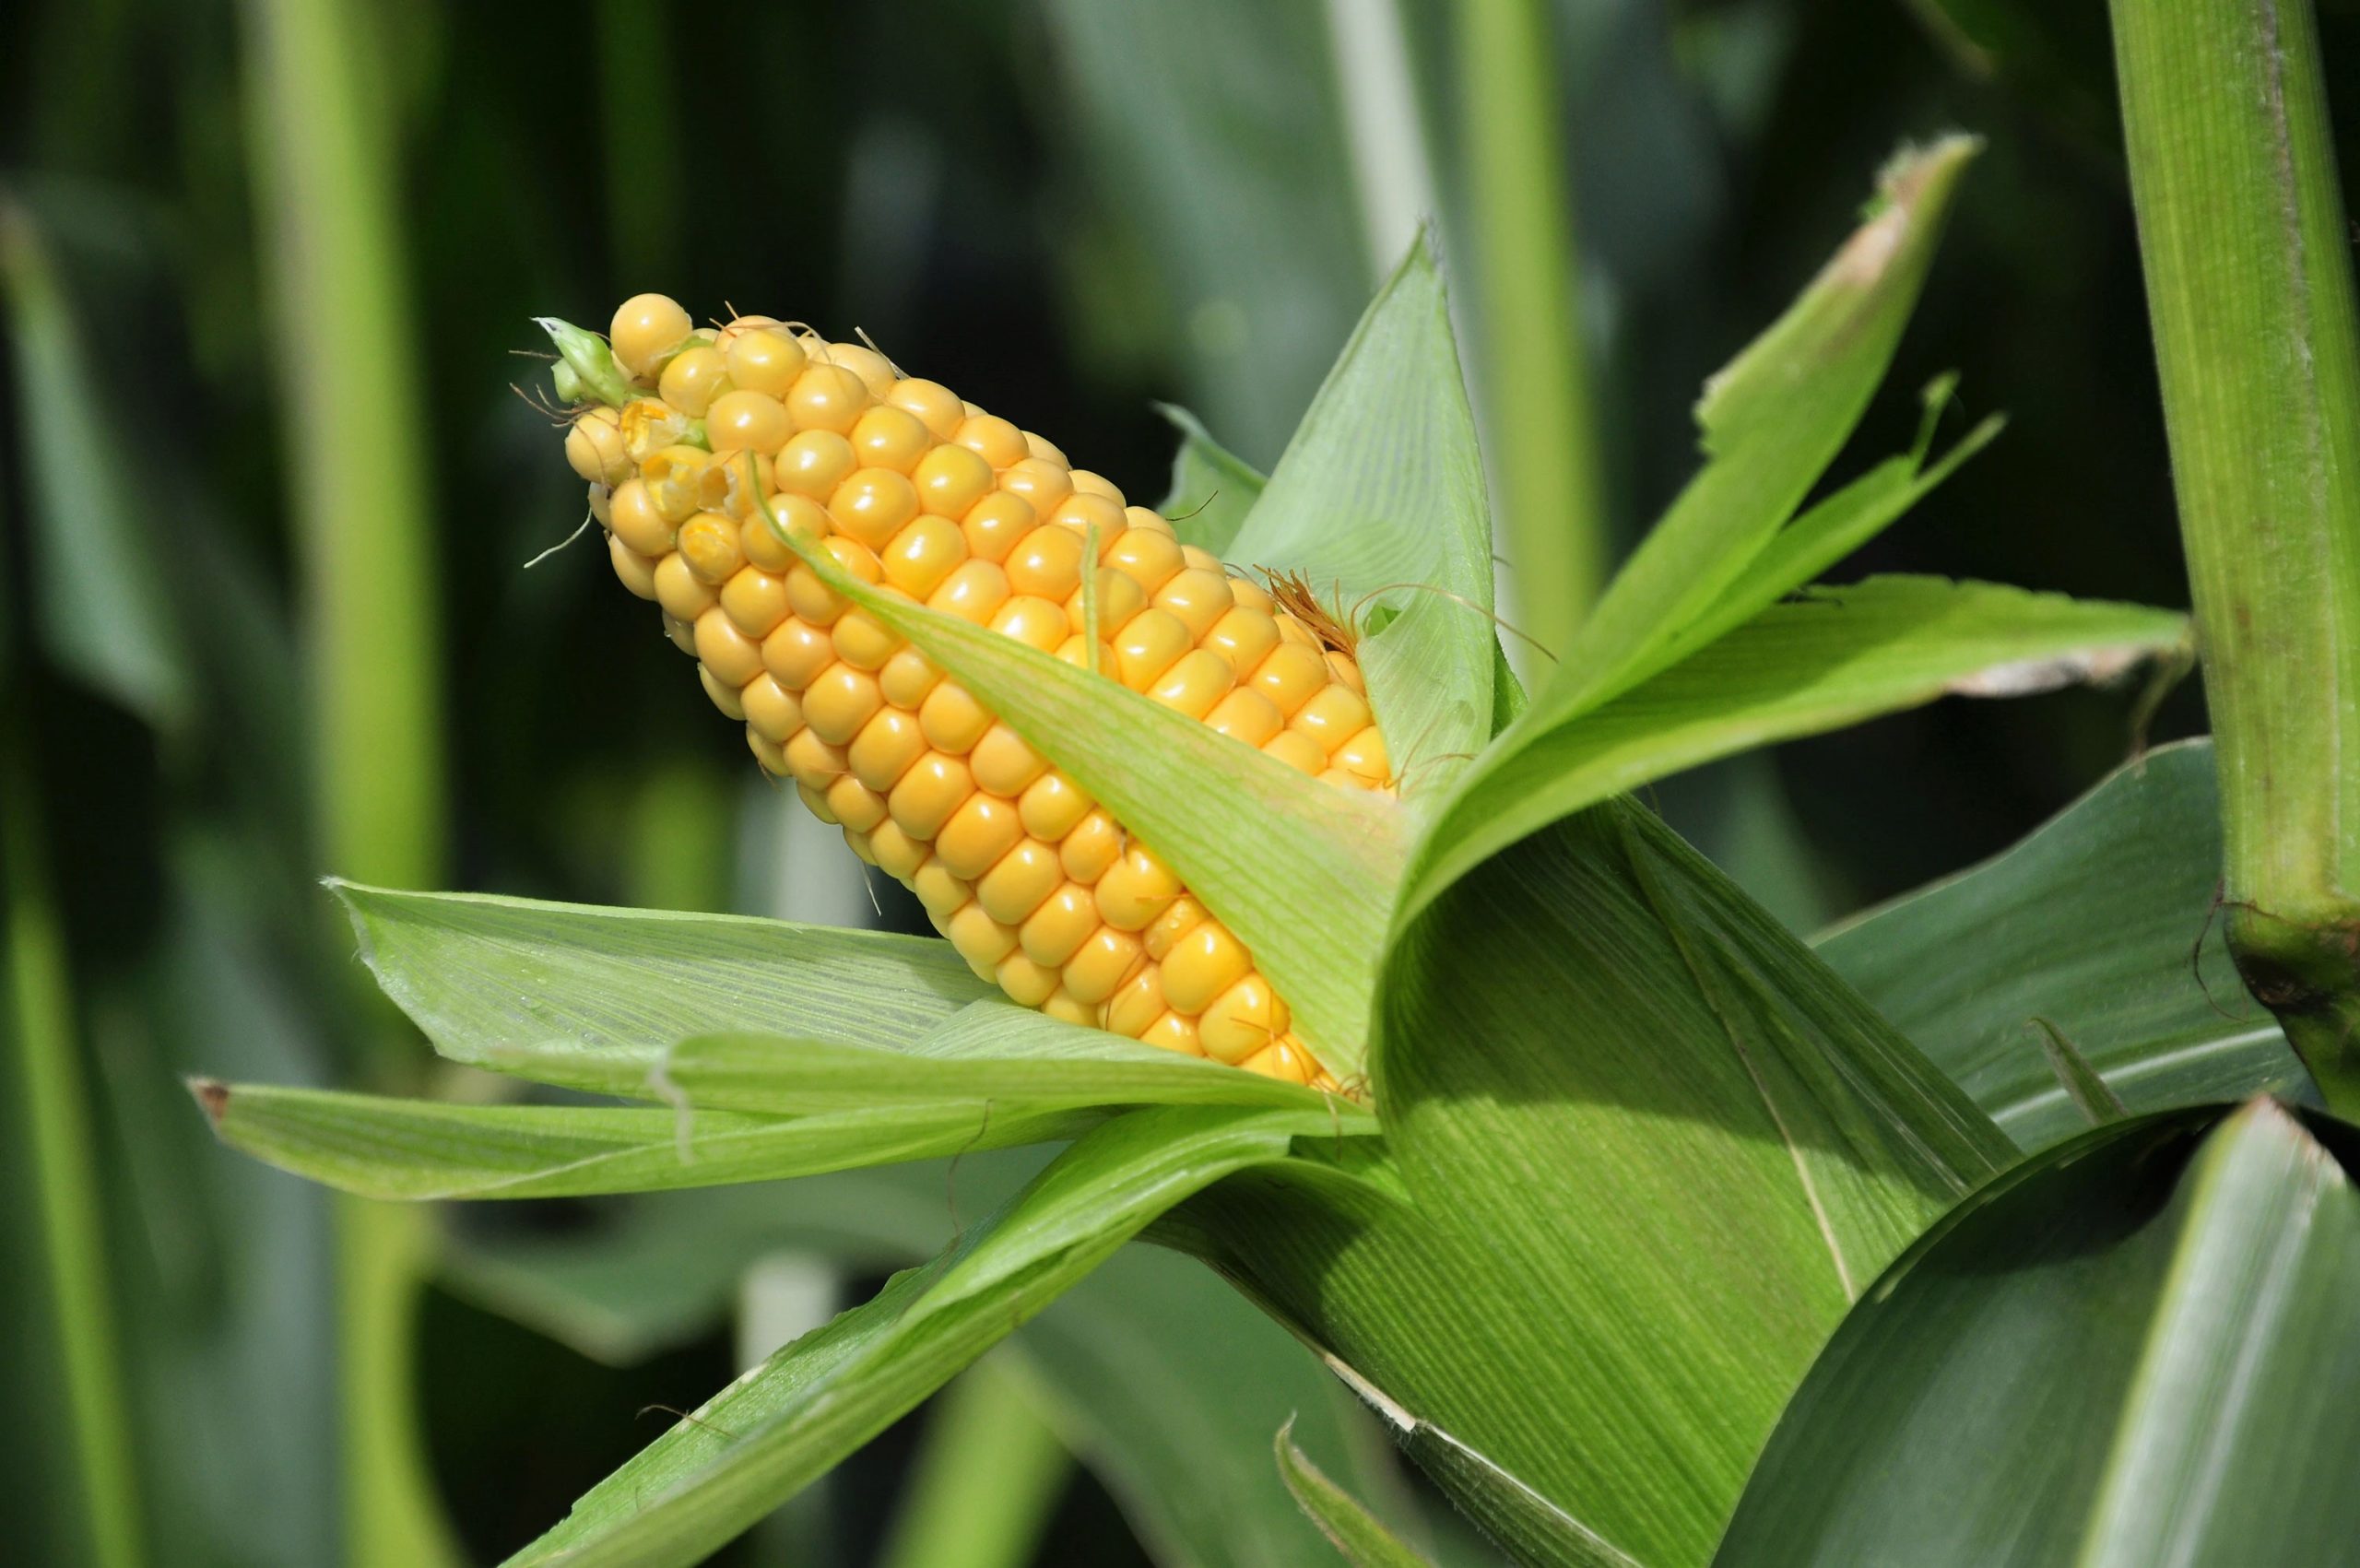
(885,747)
(1014,887)
(934,787)
(1082,512)
(826,397)
(1363,756)
(982,830)
(1044,484)
(1342,666)
(1045,449)
(739,328)
(907,677)
(937,890)
(1331,715)
(1246,634)
(936,406)
(1087,483)
(981,940)
(593,445)
(1138,1001)
(1150,643)
(1030,620)
(1052,807)
(1179,917)
(1027,983)
(766,752)
(864,642)
(840,700)
(1199,597)
(632,517)
(813,464)
(1093,847)
(1297,750)
(974,592)
(761,360)
(723,698)
(795,652)
(645,328)
(1248,716)
(679,589)
(856,806)
(747,421)
(895,852)
(692,379)
(1148,558)
(638,572)
(993,439)
(709,543)
(952,719)
(733,657)
(1202,964)
(1172,1032)
(1242,1019)
(872,504)
(887,437)
(1286,1059)
(1059,924)
(814,763)
(952,481)
(927,550)
(1045,562)
(773,711)
(682,634)
(1289,676)
(1066,1007)
(1105,961)
(1134,889)
(1200,679)
(1003,764)
(875,370)
(755,600)
(680,482)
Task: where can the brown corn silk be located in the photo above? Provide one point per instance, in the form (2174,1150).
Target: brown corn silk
(932,500)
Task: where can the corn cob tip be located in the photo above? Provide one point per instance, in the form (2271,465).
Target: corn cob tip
(584,361)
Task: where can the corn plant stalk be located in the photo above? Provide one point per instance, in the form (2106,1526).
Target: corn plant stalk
(53,1124)
(2243,235)
(1534,383)
(324,174)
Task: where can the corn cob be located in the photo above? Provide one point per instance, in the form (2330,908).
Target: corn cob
(933,500)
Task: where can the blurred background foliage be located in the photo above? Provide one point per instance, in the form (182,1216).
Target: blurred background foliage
(268,269)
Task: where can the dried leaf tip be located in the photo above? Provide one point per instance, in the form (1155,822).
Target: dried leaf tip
(214,1095)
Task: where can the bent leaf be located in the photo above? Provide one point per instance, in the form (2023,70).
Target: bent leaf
(768,1433)
(1212,488)
(2097,922)
(1355,1532)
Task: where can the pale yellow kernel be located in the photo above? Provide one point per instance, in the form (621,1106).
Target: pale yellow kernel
(826,397)
(1059,924)
(1136,1002)
(1087,483)
(1004,764)
(1045,450)
(1119,598)
(1093,847)
(1182,915)
(1066,1007)
(755,600)
(733,657)
(796,652)
(692,379)
(1150,643)
(747,421)
(812,599)
(952,719)
(977,835)
(1192,686)
(1297,750)
(771,708)
(814,463)
(991,438)
(599,495)
(1245,714)
(1044,484)
(1172,1032)
(1082,512)
(650,425)
(638,572)
(1017,882)
(840,700)
(875,370)
(937,890)
(1103,963)
(1247,635)
(1052,807)
(1134,889)
(1287,1060)
(814,763)
(738,327)
(857,841)
(1027,983)
(797,516)
(1199,559)
(872,504)
(885,747)
(1363,756)
(936,406)
(645,328)
(1344,667)
(1038,622)
(679,590)
(1147,518)
(929,792)
(761,360)
(864,642)
(723,696)
(1251,595)
(1149,558)
(710,544)
(766,752)
(594,446)
(682,481)
(1242,1019)
(1047,562)
(1291,629)
(1202,964)
(896,853)
(1199,597)
(632,513)
(1291,675)
(856,806)
(981,940)
(951,481)
(907,677)
(1332,715)
(974,592)
(682,634)
(927,550)
(886,437)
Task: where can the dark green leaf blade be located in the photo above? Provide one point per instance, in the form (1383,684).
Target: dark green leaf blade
(2097,922)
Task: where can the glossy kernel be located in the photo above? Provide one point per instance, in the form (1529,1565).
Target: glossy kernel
(1105,961)
(1027,983)
(747,421)
(733,657)
(1202,964)
(1039,622)
(1043,483)
(1136,890)
(840,700)
(645,328)
(1053,806)
(693,378)
(1151,645)
(872,504)
(594,446)
(1248,716)
(1003,764)
(637,572)
(711,545)
(952,719)
(885,747)
(764,361)
(907,677)
(826,397)
(1199,597)
(974,592)
(936,406)
(887,437)
(1092,846)
(977,835)
(632,517)
(1246,634)
(1015,884)
(1289,676)
(951,481)
(679,590)
(1059,924)
(1192,686)
(813,464)
(796,652)
(773,711)
(991,438)
(927,550)
(1242,1019)
(933,787)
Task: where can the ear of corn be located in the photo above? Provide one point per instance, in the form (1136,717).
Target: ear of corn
(702,446)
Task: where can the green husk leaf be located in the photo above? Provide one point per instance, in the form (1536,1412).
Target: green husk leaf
(1358,1534)
(2119,960)
(592,363)
(1212,488)
(768,1434)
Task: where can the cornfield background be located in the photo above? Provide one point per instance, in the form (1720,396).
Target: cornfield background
(265,614)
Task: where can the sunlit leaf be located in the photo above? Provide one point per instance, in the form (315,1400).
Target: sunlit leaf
(1212,488)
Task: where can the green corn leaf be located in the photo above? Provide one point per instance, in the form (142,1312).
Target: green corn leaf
(481,975)
(1832,657)
(2097,922)
(1212,488)
(1355,1532)
(765,1436)
(389,1148)
(2134,1349)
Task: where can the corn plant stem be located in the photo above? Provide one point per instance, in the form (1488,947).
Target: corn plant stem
(2251,288)
(1531,372)
(987,1478)
(55,1132)
(320,135)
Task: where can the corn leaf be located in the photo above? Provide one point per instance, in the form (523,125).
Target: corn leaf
(2135,1350)
(1355,1532)
(1831,657)
(1212,488)
(1674,1148)
(2096,926)
(768,1433)
(1771,420)
(482,974)
(389,1148)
